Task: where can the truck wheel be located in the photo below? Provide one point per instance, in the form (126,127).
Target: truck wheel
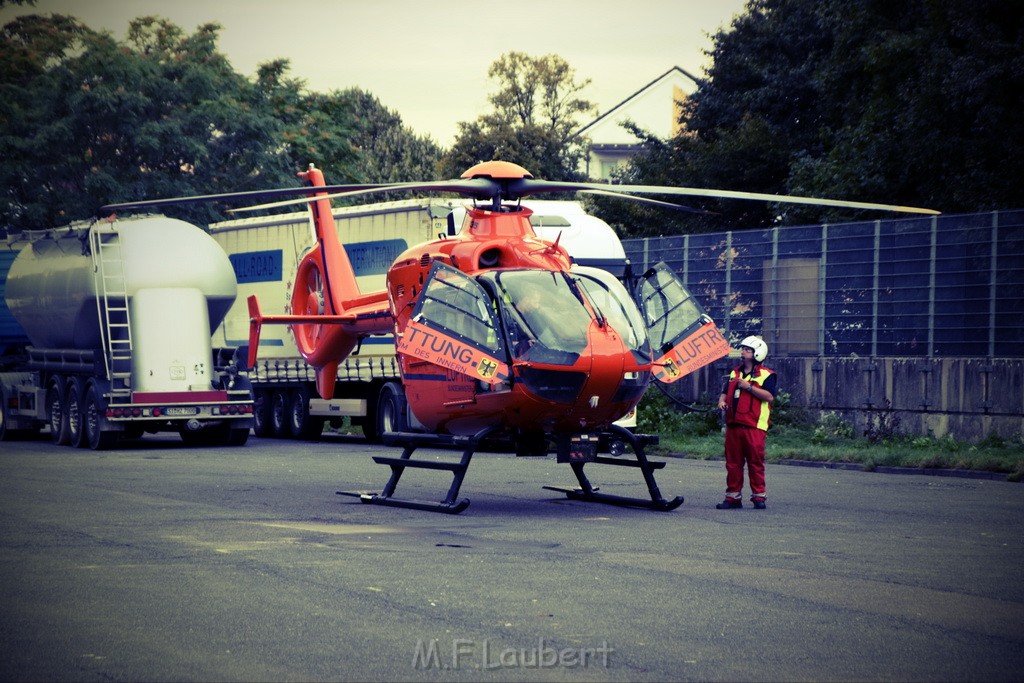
(391,408)
(279,414)
(261,414)
(198,437)
(303,425)
(75,399)
(237,436)
(93,422)
(6,434)
(56,410)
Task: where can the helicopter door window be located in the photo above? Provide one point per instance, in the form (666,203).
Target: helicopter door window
(683,336)
(456,305)
(668,307)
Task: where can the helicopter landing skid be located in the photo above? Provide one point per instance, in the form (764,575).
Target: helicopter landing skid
(586,492)
(410,442)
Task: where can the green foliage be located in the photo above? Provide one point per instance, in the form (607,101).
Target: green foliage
(785,414)
(830,428)
(658,414)
(536,111)
(913,103)
(86,121)
(882,425)
(832,440)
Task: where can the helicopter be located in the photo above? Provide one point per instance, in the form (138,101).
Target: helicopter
(498,333)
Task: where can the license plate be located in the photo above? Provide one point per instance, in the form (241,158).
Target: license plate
(191,410)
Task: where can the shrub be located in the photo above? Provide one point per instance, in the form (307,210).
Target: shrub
(658,414)
(881,425)
(830,427)
(784,413)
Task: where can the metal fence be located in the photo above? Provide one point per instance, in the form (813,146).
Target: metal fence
(944,286)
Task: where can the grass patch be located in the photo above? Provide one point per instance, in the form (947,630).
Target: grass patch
(794,436)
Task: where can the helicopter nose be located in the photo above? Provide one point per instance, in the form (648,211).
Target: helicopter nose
(607,365)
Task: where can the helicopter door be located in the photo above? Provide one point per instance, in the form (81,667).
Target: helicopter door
(454,326)
(683,337)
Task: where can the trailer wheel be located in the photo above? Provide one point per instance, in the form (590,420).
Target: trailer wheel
(279,414)
(75,399)
(237,436)
(261,413)
(93,422)
(5,434)
(56,411)
(303,425)
(391,408)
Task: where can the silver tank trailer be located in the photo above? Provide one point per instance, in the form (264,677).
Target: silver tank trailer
(171,268)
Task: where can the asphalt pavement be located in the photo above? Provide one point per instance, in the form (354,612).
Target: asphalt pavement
(159,562)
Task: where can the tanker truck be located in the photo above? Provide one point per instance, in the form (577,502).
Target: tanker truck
(265,252)
(119,317)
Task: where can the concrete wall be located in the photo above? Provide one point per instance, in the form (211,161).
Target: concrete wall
(965,398)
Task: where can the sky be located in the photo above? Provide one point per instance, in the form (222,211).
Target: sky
(428,59)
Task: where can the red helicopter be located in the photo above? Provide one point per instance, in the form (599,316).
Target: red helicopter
(498,333)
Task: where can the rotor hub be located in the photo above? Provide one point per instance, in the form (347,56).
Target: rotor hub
(498,170)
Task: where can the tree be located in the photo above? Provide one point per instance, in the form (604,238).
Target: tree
(934,106)
(86,121)
(389,152)
(536,111)
(912,103)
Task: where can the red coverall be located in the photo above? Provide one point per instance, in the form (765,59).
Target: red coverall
(747,419)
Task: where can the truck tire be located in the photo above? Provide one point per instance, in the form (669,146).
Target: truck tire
(391,407)
(56,411)
(279,414)
(93,422)
(75,399)
(6,433)
(261,413)
(237,436)
(303,425)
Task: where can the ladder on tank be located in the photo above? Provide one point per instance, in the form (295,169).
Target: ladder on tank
(112,306)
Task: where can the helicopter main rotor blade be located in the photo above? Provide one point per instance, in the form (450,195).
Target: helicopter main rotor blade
(480,188)
(230,196)
(501,188)
(528,186)
(645,200)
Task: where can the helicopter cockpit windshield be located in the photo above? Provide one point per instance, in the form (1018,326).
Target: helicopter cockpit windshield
(545,315)
(545,319)
(611,301)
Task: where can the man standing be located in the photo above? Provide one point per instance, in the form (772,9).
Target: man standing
(746,399)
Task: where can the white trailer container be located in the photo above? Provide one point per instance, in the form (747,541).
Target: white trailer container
(265,253)
(119,317)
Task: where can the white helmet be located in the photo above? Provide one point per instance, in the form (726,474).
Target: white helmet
(757,345)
